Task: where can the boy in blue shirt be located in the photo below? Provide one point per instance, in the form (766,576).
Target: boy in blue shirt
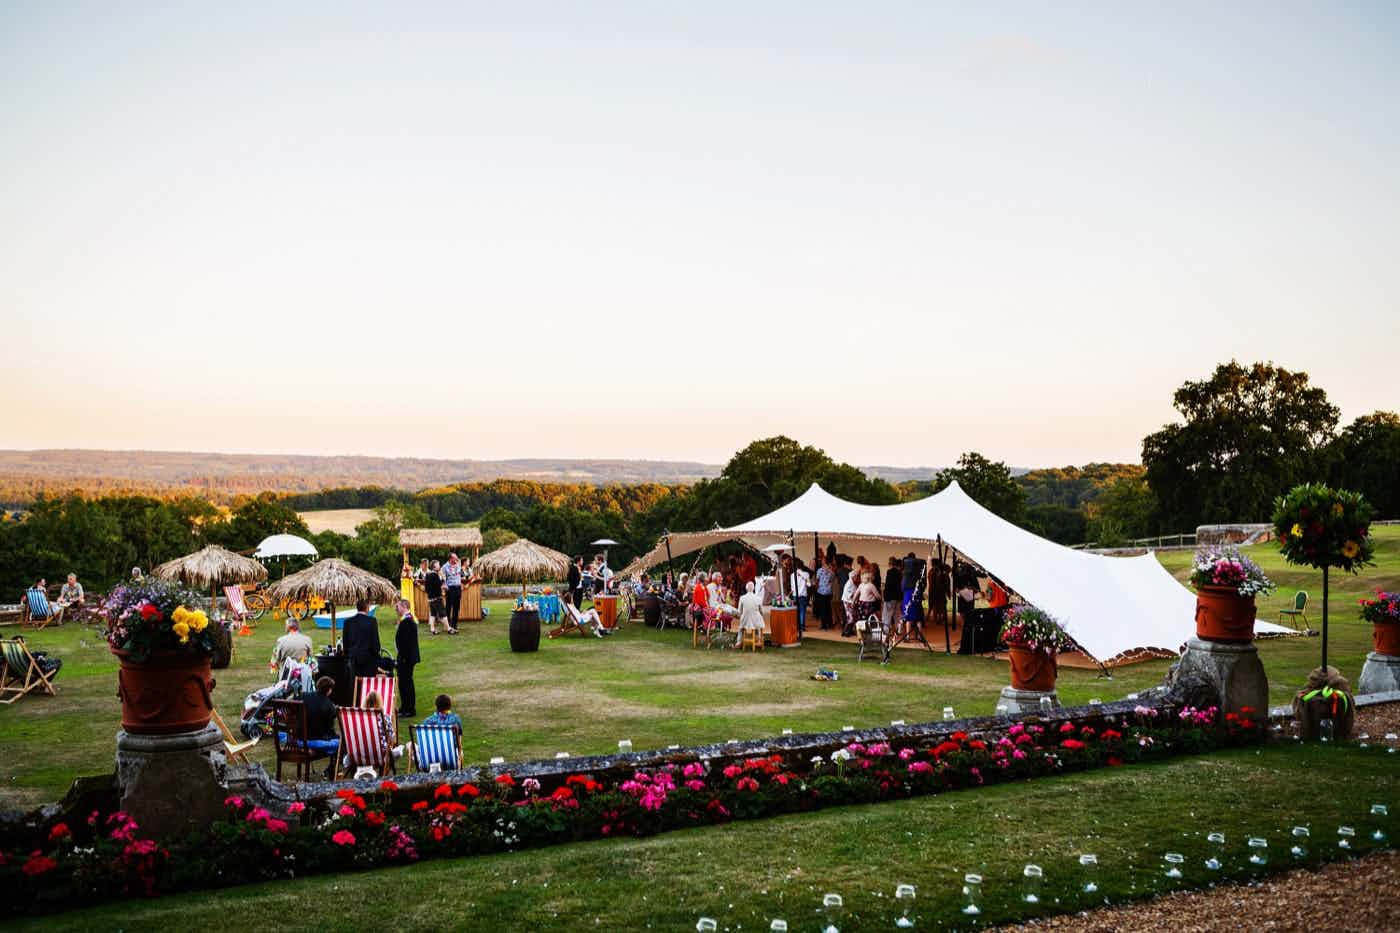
(444,715)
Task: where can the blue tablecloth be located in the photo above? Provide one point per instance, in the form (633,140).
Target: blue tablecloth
(549,607)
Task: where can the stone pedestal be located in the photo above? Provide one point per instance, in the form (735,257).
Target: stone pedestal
(171,784)
(1232,670)
(1380,674)
(1018,702)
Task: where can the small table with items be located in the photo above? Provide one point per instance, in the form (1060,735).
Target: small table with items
(547,604)
(782,626)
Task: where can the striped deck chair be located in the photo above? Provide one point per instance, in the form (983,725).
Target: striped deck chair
(36,610)
(20,673)
(363,742)
(387,688)
(436,745)
(236,607)
(585,623)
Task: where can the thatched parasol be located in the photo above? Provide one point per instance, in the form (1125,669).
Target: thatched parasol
(213,567)
(522,561)
(335,581)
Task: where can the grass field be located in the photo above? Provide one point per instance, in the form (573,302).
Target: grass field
(583,695)
(342,521)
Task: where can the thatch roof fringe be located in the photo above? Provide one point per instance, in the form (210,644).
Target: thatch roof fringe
(440,537)
(335,581)
(523,561)
(211,566)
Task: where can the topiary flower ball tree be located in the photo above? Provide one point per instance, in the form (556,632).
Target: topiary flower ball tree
(1318,526)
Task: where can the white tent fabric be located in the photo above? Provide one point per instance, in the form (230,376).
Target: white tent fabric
(285,546)
(1111,606)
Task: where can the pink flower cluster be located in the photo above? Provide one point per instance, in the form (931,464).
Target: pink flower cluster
(651,790)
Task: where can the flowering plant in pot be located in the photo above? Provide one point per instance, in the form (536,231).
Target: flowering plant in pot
(164,647)
(1383,613)
(1226,583)
(1318,526)
(1033,639)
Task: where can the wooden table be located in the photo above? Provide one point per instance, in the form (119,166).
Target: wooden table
(607,610)
(782,624)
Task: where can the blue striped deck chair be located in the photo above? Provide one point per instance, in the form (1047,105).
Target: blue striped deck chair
(20,673)
(437,745)
(38,611)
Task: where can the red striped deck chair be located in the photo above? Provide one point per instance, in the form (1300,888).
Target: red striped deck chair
(387,689)
(236,607)
(363,742)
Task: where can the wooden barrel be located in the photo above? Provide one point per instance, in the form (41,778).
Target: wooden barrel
(525,630)
(607,610)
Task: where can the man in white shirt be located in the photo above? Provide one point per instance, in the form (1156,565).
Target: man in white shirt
(750,612)
(801,580)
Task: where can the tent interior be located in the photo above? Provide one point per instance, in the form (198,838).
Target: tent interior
(1117,609)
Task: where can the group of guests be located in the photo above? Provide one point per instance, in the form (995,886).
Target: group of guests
(584,580)
(443,582)
(321,715)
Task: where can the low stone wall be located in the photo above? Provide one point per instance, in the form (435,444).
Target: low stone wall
(1208,535)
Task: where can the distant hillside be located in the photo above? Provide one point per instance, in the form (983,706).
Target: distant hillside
(25,474)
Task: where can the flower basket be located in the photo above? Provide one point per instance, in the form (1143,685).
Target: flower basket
(1031,669)
(1386,637)
(168,692)
(1222,614)
(1383,612)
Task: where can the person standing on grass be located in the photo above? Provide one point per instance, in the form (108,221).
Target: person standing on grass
(801,582)
(453,575)
(432,585)
(576,579)
(893,595)
(361,641)
(406,646)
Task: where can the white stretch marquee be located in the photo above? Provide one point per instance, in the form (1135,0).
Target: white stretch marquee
(1111,606)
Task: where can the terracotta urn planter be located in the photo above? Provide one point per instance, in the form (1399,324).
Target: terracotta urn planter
(1222,614)
(1386,637)
(167,693)
(1032,670)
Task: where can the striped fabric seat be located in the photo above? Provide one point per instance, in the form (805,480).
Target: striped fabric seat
(39,607)
(437,745)
(234,595)
(364,740)
(385,686)
(20,673)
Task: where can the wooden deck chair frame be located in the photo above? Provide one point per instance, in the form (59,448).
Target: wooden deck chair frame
(356,730)
(26,611)
(456,745)
(572,622)
(20,674)
(234,750)
(388,689)
(237,607)
(289,719)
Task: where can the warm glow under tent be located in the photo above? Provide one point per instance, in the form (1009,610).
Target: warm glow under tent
(1114,607)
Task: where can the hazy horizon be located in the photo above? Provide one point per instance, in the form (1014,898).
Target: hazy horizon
(897,232)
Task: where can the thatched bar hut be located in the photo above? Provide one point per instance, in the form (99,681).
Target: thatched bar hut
(442,540)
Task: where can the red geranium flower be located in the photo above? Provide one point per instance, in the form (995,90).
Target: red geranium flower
(421,805)
(38,864)
(506,780)
(562,793)
(374,818)
(59,831)
(468,790)
(443,791)
(388,786)
(1073,745)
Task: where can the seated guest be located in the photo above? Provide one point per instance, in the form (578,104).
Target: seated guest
(444,715)
(373,701)
(589,619)
(718,597)
(293,646)
(750,612)
(320,718)
(72,592)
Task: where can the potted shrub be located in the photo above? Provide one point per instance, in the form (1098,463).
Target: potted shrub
(164,648)
(1226,583)
(1318,526)
(1034,640)
(1383,613)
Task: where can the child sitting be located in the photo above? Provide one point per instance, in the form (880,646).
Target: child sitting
(444,715)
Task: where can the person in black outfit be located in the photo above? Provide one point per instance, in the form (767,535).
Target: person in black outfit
(361,641)
(320,716)
(432,585)
(576,580)
(406,645)
(909,583)
(893,594)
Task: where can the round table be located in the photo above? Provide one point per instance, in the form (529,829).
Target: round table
(607,610)
(782,623)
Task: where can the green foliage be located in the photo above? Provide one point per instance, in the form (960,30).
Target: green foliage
(1074,487)
(1059,523)
(1124,510)
(1249,434)
(254,519)
(497,538)
(1366,457)
(988,482)
(1318,526)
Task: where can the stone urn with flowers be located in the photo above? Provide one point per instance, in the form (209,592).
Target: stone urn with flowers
(1033,642)
(1227,583)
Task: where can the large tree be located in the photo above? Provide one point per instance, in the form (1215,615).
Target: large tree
(1366,458)
(1249,434)
(989,482)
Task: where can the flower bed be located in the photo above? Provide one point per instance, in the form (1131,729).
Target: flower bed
(370,826)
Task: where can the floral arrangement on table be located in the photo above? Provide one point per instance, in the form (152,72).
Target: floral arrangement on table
(1383,610)
(1033,629)
(1318,526)
(1227,566)
(153,615)
(362,828)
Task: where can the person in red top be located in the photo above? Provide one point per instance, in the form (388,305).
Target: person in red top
(748,570)
(996,596)
(700,596)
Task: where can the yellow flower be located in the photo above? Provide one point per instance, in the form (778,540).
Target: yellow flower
(198,620)
(1296,531)
(183,630)
(179,614)
(1350,549)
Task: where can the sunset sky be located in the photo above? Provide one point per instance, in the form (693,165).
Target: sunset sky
(896,231)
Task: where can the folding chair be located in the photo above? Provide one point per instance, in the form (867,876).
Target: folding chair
(237,608)
(574,621)
(363,742)
(436,745)
(234,750)
(1299,610)
(875,638)
(20,673)
(385,686)
(36,610)
(289,733)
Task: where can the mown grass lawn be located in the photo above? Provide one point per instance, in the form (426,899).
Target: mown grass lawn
(583,695)
(746,874)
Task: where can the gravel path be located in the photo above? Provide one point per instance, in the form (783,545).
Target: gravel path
(1347,896)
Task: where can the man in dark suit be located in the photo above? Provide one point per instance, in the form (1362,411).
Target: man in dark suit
(361,641)
(406,644)
(576,580)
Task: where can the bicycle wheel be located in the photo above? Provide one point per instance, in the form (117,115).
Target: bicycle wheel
(257,605)
(298,609)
